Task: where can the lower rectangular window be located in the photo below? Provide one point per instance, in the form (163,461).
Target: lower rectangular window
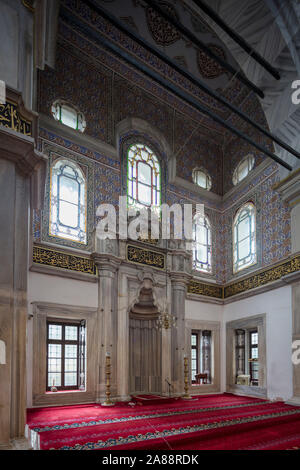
(201,357)
(65,355)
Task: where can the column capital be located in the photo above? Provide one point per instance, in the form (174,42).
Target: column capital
(106,262)
(180,278)
(20,149)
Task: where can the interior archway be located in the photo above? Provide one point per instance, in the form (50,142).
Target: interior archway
(145,344)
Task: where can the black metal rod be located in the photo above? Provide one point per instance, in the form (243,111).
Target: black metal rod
(237,38)
(68,16)
(186,32)
(202,85)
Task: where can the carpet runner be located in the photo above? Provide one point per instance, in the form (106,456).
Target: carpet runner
(205,423)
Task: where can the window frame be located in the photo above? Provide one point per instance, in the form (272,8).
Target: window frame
(235,242)
(53,197)
(207,176)
(60,104)
(64,342)
(208,245)
(197,348)
(251,359)
(133,180)
(236,179)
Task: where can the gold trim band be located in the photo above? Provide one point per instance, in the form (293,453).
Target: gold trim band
(62,260)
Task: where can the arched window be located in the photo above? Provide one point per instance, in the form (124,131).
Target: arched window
(143,177)
(242,169)
(244,237)
(202,244)
(202,178)
(68,201)
(68,115)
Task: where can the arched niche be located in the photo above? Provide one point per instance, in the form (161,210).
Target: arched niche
(145,341)
(132,125)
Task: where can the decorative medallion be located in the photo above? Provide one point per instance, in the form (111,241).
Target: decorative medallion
(162,31)
(145,257)
(60,259)
(207,66)
(10,117)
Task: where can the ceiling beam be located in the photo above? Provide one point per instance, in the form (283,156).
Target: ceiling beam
(199,83)
(237,38)
(67,15)
(197,42)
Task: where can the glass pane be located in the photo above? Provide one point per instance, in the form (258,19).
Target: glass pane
(243,229)
(71,333)
(69,117)
(68,214)
(144,173)
(254,338)
(201,179)
(54,365)
(55,332)
(68,189)
(70,379)
(54,350)
(144,194)
(54,380)
(243,170)
(194,353)
(244,248)
(71,365)
(194,340)
(70,350)
(202,253)
(201,234)
(254,353)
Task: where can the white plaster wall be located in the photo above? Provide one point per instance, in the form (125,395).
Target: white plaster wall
(195,310)
(45,288)
(277,305)
(16,47)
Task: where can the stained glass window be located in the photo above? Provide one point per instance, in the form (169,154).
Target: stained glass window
(68,202)
(68,115)
(143,177)
(202,244)
(244,237)
(242,169)
(202,178)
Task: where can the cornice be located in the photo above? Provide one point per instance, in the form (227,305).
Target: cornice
(289,188)
(282,274)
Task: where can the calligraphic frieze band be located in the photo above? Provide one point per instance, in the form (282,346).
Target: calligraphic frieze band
(59,259)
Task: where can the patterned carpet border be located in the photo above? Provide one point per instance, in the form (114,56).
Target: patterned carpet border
(174,432)
(140,417)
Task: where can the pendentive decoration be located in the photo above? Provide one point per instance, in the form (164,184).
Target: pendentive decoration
(108,401)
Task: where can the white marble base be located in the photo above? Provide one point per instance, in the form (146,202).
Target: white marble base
(295,401)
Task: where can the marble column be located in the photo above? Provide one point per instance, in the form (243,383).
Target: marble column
(289,188)
(18,162)
(107,320)
(179,285)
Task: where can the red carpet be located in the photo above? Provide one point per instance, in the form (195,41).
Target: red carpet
(207,422)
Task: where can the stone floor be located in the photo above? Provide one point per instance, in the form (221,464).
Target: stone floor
(16,444)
